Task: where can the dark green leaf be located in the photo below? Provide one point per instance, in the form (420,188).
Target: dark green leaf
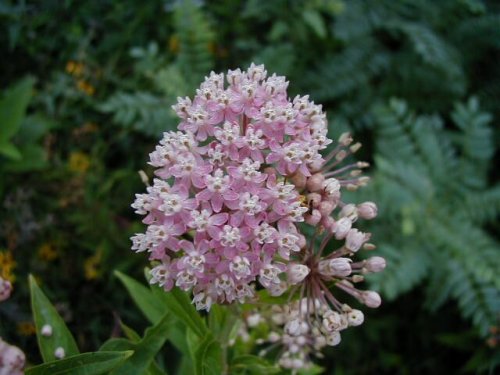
(45,314)
(82,364)
(143,297)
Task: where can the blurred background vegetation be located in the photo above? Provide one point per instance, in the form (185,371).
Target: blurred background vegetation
(86,93)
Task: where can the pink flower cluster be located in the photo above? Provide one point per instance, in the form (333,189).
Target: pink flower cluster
(232,185)
(221,180)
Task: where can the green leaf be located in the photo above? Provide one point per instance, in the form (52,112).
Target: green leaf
(13,107)
(11,151)
(206,353)
(179,304)
(146,349)
(143,297)
(82,364)
(315,22)
(254,365)
(45,314)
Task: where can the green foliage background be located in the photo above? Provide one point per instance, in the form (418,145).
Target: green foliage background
(87,89)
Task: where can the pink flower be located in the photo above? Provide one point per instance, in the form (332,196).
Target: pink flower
(232,185)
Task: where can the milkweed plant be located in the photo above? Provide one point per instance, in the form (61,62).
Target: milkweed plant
(246,222)
(237,188)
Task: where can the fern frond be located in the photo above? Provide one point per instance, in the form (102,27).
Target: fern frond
(141,111)
(406,268)
(475,141)
(483,206)
(196,41)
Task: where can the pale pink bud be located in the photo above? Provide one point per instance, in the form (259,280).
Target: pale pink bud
(328,223)
(355,240)
(297,273)
(342,227)
(276,290)
(371,299)
(332,321)
(333,339)
(314,199)
(314,218)
(375,264)
(340,267)
(299,180)
(345,139)
(331,186)
(326,208)
(355,317)
(5,289)
(315,182)
(367,210)
(293,327)
(350,211)
(301,242)
(13,359)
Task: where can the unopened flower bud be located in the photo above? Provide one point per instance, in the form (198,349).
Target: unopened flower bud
(333,339)
(315,182)
(273,337)
(299,180)
(5,289)
(367,210)
(297,273)
(355,147)
(331,186)
(301,242)
(326,208)
(375,264)
(332,321)
(314,218)
(276,290)
(342,227)
(371,299)
(293,327)
(340,267)
(345,139)
(314,199)
(355,317)
(350,211)
(341,155)
(354,240)
(328,223)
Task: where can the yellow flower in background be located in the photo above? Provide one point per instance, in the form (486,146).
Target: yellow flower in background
(74,68)
(47,252)
(7,265)
(25,328)
(173,44)
(91,266)
(79,162)
(85,87)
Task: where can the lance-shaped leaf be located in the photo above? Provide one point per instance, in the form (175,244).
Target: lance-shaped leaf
(146,349)
(143,297)
(82,364)
(46,315)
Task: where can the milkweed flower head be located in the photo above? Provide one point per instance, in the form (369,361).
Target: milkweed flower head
(235,189)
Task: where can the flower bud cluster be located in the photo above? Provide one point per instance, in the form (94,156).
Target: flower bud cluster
(303,328)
